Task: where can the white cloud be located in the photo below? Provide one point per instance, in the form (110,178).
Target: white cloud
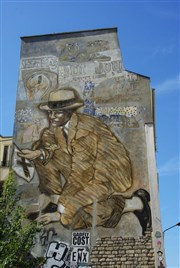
(168,85)
(171,167)
(164,51)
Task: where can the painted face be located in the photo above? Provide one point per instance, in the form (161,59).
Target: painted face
(58,118)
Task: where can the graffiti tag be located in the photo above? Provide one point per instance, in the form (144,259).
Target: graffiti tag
(80,251)
(56,255)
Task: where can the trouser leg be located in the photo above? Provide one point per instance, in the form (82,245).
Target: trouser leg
(93,205)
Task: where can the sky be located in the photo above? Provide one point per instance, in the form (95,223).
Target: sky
(148,33)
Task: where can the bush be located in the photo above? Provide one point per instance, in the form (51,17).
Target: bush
(16,233)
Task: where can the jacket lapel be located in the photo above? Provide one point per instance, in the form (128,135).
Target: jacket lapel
(72,130)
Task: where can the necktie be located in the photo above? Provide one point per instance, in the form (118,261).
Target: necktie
(62,138)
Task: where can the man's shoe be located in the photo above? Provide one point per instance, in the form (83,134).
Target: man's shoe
(143,215)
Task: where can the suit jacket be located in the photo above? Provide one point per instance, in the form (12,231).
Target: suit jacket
(93,159)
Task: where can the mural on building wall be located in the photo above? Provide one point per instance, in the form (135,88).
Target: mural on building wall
(79,161)
(78,125)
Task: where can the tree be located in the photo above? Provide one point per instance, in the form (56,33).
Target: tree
(16,233)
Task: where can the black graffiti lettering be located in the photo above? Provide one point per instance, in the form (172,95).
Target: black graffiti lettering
(80,253)
(74,256)
(47,236)
(57,250)
(80,241)
(83,241)
(85,257)
(56,255)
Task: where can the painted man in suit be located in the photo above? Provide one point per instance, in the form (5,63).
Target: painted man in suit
(83,167)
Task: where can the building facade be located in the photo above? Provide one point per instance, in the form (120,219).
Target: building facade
(5,157)
(84,153)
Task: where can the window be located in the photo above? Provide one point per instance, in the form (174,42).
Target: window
(5,160)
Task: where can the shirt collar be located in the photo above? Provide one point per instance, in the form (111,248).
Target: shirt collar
(66,127)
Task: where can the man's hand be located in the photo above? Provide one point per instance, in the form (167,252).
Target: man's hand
(49,217)
(29,154)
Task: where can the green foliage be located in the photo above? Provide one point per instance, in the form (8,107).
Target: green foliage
(16,233)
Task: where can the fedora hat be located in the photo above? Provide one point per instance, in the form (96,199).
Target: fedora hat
(62,99)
